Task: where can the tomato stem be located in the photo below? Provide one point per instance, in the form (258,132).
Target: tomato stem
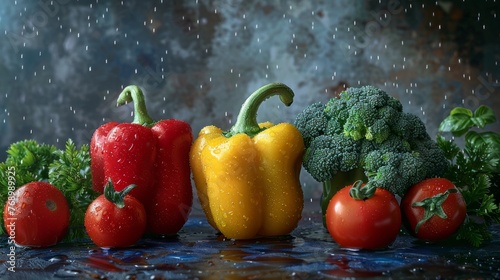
(362,192)
(118,198)
(432,206)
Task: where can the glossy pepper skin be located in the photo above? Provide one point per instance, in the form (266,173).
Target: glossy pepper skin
(152,155)
(247,178)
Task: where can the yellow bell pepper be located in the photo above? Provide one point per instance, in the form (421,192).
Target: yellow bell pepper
(247,178)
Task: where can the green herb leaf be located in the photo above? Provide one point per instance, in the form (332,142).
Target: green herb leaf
(461,111)
(473,169)
(491,141)
(71,174)
(473,232)
(31,160)
(483,115)
(457,124)
(449,148)
(488,138)
(462,120)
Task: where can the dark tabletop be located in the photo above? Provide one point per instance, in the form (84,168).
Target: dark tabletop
(199,252)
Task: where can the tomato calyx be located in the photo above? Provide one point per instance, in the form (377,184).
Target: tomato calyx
(360,191)
(118,198)
(433,206)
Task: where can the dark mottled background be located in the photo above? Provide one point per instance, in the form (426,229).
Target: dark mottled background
(63,63)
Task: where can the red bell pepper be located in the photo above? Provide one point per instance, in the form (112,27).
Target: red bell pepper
(152,155)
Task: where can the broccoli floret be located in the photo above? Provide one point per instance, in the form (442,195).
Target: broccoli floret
(395,169)
(312,122)
(410,126)
(430,151)
(365,128)
(329,154)
(393,143)
(365,112)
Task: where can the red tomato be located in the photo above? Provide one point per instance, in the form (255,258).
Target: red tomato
(110,226)
(371,223)
(36,215)
(452,205)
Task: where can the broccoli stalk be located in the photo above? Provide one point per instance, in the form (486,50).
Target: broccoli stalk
(364,134)
(340,180)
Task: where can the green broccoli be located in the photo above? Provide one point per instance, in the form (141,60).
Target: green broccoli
(365,113)
(364,134)
(316,120)
(330,154)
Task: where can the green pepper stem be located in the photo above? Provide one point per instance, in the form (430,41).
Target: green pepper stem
(247,118)
(134,94)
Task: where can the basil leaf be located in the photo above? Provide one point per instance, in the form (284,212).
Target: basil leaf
(458,124)
(483,115)
(461,111)
(489,138)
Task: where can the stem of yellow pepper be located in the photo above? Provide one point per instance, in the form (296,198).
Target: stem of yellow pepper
(247,118)
(134,94)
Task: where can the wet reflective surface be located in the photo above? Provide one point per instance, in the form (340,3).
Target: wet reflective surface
(199,252)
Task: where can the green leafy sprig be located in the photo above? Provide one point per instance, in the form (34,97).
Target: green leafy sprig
(68,170)
(473,168)
(30,161)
